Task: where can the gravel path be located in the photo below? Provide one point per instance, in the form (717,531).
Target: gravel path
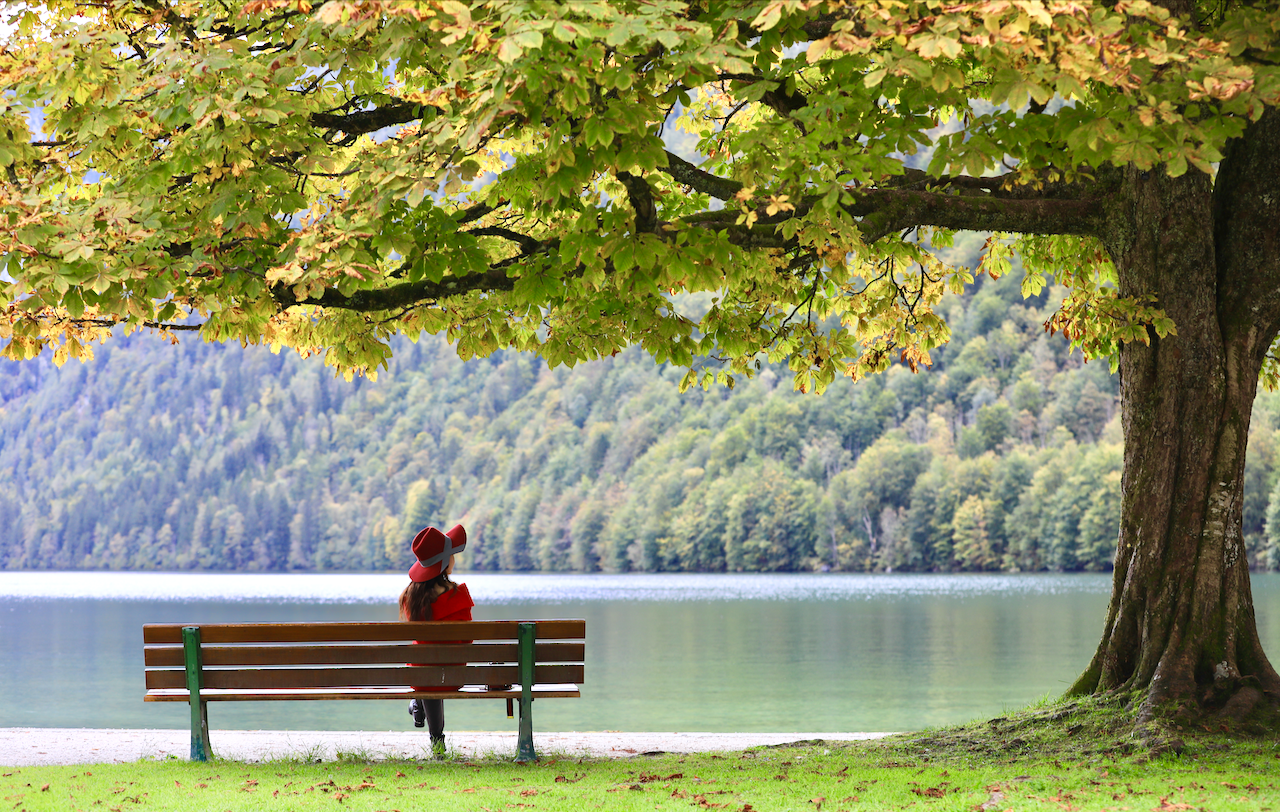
(27,746)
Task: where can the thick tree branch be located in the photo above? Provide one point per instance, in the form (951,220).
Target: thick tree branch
(528,244)
(641,198)
(699,180)
(153,325)
(407,294)
(919,180)
(885,211)
(402,295)
(361,122)
(473,213)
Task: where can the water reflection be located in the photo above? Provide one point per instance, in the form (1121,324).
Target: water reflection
(684,652)
(504,588)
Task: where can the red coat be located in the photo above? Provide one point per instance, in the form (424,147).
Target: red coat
(452,605)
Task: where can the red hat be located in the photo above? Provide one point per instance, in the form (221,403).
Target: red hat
(433,550)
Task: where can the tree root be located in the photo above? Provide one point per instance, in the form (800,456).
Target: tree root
(1240,709)
(1240,705)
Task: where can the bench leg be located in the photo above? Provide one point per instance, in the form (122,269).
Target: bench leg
(200,749)
(525,636)
(524,745)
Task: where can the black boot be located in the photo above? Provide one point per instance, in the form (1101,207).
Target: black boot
(418,711)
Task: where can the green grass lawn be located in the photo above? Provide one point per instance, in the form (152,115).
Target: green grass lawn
(1057,757)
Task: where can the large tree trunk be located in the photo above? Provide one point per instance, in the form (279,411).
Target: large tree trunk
(1181,623)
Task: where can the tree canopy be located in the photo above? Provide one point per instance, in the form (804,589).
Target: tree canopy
(512,173)
(325,175)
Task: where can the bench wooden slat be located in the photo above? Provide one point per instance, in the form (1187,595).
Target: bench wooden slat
(544,652)
(154,633)
(251,678)
(541,691)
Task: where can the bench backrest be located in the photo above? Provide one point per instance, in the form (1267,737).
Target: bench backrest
(283,656)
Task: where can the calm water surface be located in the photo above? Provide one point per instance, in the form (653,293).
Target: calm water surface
(664,652)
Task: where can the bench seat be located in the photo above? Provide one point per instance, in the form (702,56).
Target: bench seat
(567,690)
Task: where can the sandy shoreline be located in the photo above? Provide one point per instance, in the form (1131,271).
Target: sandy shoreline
(30,746)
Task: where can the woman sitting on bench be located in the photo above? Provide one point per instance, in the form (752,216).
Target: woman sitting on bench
(430,595)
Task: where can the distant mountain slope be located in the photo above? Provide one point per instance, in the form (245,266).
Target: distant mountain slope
(1005,455)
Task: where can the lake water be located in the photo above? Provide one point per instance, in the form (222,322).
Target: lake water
(814,652)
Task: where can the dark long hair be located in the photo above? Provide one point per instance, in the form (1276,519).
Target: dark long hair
(416,600)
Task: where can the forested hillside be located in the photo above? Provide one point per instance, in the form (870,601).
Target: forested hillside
(1005,455)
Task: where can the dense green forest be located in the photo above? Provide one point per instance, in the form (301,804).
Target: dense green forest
(1005,455)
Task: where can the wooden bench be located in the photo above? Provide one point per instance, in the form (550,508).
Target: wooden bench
(258,662)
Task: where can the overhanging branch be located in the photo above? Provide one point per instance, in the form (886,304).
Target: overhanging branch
(700,180)
(640,196)
(402,295)
(361,122)
(881,212)
(884,211)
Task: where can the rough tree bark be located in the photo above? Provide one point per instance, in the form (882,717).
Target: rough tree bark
(1181,622)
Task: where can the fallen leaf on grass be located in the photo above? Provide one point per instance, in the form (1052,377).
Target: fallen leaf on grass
(991,802)
(526,793)
(818,802)
(929,792)
(45,788)
(400,774)
(1165,806)
(560,779)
